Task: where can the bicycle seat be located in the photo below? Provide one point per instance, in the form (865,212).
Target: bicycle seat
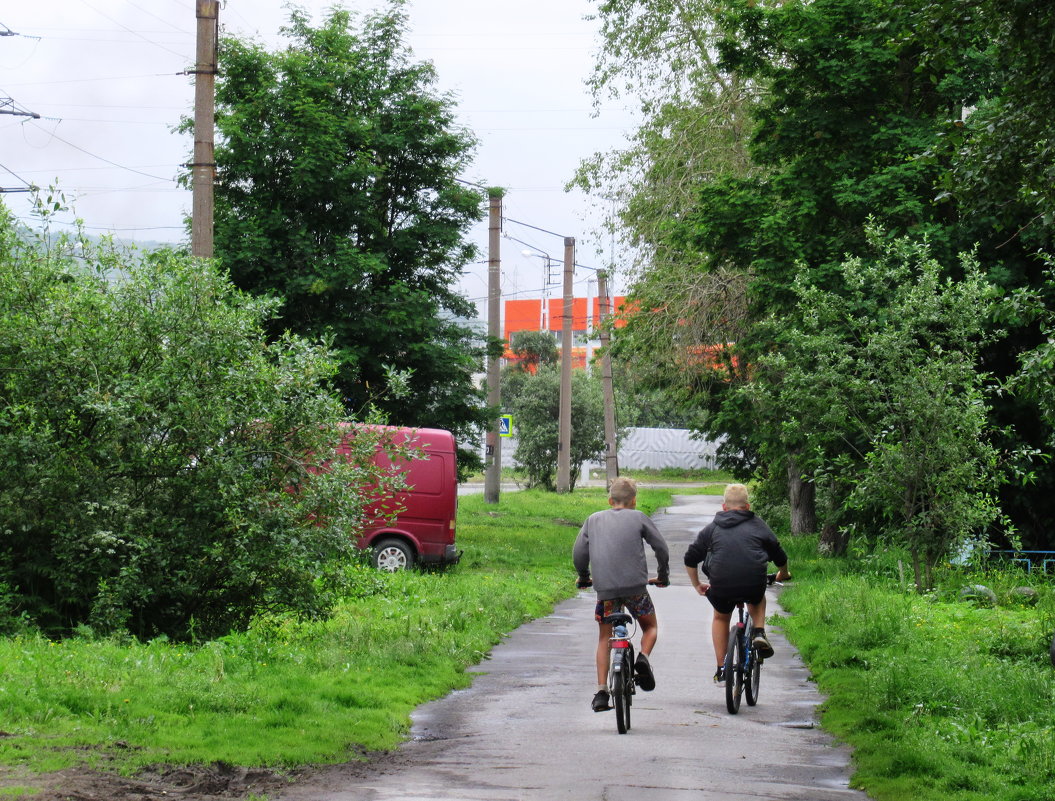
(618,618)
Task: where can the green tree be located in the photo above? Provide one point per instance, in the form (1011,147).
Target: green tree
(880,383)
(1001,176)
(338,191)
(151,441)
(537,412)
(852,124)
(696,121)
(534,349)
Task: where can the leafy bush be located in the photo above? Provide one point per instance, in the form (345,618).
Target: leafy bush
(150,438)
(537,411)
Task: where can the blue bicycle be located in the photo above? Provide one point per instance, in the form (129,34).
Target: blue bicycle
(743,665)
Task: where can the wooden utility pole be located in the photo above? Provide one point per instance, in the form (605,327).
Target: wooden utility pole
(611,447)
(564,430)
(493,456)
(203,168)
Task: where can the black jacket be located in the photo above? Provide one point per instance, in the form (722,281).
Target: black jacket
(736,550)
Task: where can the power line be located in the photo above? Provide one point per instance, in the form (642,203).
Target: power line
(107,161)
(133,32)
(28,185)
(111,228)
(103,78)
(8,32)
(7,106)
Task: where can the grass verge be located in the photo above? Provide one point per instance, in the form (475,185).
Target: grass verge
(287,692)
(941,700)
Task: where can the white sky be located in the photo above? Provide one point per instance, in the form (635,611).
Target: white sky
(105,77)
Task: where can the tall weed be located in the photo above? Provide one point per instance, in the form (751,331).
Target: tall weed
(940,700)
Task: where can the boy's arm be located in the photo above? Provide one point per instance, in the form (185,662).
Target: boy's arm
(777,556)
(694,578)
(580,555)
(660,549)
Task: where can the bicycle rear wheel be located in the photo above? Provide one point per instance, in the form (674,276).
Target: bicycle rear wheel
(753,678)
(734,671)
(624,687)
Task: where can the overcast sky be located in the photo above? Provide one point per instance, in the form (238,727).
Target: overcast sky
(105,78)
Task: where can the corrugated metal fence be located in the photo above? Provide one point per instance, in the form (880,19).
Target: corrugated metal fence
(644,448)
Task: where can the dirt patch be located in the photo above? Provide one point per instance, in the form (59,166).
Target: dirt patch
(195,783)
(217,782)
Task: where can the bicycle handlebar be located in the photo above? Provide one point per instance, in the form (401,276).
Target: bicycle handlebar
(583,584)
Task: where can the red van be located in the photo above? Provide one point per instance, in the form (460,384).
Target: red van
(423,532)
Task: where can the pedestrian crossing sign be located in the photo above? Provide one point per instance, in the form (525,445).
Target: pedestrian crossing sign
(505,425)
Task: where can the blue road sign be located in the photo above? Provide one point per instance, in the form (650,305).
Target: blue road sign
(505,425)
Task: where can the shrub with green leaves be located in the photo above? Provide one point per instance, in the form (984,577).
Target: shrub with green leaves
(536,408)
(151,441)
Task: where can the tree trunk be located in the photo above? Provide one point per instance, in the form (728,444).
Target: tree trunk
(833,540)
(802,498)
(916,570)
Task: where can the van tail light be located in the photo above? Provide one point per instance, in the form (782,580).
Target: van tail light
(452,531)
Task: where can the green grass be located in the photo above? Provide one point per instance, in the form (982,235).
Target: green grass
(941,701)
(288,692)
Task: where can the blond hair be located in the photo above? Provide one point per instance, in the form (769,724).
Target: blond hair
(622,491)
(735,496)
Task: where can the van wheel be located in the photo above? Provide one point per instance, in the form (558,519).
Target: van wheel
(392,555)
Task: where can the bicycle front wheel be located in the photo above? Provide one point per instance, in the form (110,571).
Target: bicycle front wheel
(734,671)
(752,679)
(624,687)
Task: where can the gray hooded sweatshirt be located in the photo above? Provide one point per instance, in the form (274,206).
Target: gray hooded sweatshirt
(612,543)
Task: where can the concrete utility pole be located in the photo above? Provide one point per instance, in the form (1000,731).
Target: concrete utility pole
(203,168)
(493,457)
(564,432)
(611,447)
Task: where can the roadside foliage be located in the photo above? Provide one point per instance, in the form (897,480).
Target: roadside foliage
(155,447)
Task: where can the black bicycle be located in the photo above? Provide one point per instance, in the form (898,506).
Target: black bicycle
(621,685)
(743,665)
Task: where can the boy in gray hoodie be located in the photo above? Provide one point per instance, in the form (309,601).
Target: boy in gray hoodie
(612,543)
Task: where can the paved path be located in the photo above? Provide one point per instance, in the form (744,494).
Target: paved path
(525,731)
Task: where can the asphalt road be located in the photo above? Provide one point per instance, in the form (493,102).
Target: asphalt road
(524,730)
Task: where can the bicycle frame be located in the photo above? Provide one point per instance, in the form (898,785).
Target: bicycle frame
(621,686)
(742,663)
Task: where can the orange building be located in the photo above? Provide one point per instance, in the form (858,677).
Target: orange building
(547,314)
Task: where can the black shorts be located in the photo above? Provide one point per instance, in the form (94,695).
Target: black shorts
(725,600)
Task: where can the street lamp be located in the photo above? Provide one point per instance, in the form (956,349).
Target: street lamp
(546,281)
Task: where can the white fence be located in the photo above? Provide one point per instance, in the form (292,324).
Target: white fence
(643,448)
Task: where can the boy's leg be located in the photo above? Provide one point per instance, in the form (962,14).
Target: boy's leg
(758,613)
(649,632)
(720,635)
(604,632)
(758,636)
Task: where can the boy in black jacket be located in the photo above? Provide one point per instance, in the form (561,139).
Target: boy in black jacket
(736,550)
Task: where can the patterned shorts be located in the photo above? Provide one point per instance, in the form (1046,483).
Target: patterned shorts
(636,605)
